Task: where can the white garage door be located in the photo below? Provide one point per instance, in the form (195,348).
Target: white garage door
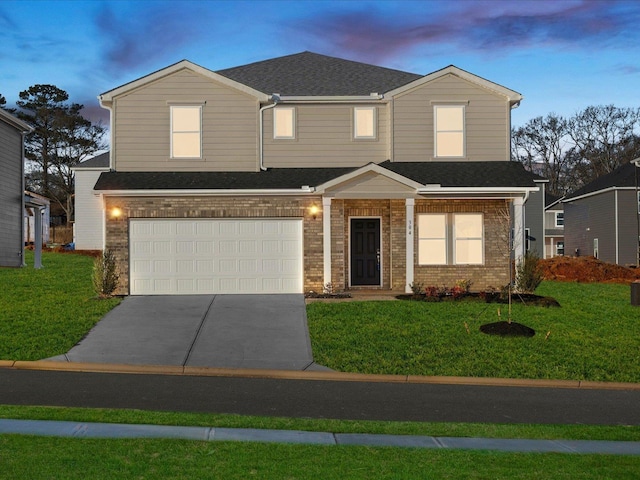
(215,256)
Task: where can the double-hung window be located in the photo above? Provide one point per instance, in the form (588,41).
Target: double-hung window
(449,130)
(186,131)
(364,123)
(559,219)
(450,239)
(284,122)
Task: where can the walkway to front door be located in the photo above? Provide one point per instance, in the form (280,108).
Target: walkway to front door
(365,252)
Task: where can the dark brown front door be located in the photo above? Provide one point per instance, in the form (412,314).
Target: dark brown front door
(365,251)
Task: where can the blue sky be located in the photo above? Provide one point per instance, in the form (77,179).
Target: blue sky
(562,55)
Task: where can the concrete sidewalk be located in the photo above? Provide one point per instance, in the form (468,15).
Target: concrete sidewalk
(225,331)
(110,430)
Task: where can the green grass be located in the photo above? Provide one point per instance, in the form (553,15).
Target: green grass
(36,458)
(45,312)
(594,335)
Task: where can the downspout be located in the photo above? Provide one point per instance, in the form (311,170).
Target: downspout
(275,98)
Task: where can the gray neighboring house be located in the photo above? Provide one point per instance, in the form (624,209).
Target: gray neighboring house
(554,226)
(534,221)
(601,218)
(12,199)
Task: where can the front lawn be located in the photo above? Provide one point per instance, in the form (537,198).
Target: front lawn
(594,335)
(45,312)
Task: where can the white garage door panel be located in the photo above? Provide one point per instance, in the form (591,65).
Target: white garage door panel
(215,256)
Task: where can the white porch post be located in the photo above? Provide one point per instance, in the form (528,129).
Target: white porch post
(37,237)
(326,238)
(409,206)
(518,229)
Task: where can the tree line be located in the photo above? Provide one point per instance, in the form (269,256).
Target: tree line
(62,138)
(572,152)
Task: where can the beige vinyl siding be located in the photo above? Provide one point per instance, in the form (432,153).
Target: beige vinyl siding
(324,138)
(370,185)
(486,120)
(142,126)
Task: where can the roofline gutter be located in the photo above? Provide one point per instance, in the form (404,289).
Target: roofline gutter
(332,99)
(437,189)
(305,190)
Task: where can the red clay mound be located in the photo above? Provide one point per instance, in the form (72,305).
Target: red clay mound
(587,269)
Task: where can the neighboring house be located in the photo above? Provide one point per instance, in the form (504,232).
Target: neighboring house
(289,174)
(12,201)
(534,217)
(44,210)
(601,218)
(88,228)
(554,226)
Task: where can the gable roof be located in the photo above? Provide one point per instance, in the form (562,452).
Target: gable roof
(622,177)
(434,175)
(312,74)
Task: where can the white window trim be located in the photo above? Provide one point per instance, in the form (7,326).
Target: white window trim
(559,246)
(293,123)
(455,238)
(374,119)
(436,131)
(556,219)
(172,132)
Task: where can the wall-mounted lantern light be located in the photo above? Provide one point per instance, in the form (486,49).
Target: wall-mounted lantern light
(116,213)
(314,210)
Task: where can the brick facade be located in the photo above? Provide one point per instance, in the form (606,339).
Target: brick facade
(391,213)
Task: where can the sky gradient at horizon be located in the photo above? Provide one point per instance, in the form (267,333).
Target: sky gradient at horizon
(561,55)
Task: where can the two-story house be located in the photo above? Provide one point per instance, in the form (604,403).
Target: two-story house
(554,226)
(291,173)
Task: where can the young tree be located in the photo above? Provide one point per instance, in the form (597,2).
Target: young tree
(62,138)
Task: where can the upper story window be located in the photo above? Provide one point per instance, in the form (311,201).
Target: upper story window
(186,131)
(284,122)
(559,219)
(449,130)
(364,123)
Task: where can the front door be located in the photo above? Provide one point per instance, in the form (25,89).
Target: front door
(365,251)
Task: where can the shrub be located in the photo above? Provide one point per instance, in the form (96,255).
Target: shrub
(416,288)
(528,273)
(105,274)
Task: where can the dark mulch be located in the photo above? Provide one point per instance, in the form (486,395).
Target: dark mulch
(506,329)
(487,297)
(313,294)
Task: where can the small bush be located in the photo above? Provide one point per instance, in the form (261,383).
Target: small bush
(417,288)
(105,274)
(529,273)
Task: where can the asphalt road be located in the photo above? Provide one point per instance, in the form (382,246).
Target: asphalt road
(321,399)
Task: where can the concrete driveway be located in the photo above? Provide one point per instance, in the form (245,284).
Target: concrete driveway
(231,331)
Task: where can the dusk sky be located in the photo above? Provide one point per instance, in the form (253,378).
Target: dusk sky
(561,55)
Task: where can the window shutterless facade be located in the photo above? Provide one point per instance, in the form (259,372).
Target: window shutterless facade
(559,219)
(186,131)
(449,132)
(284,119)
(450,239)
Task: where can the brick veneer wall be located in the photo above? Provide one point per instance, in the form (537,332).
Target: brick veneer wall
(495,271)
(117,230)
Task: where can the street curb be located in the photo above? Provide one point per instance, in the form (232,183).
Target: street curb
(308,375)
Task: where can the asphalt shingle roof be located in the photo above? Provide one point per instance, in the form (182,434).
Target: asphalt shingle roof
(312,74)
(447,174)
(623,176)
(101,160)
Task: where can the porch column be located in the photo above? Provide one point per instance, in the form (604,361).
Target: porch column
(518,229)
(37,236)
(409,206)
(326,239)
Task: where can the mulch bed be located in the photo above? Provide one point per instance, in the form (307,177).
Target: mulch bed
(506,329)
(487,297)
